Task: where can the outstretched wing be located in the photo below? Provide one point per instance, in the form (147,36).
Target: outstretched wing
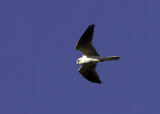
(88,72)
(85,42)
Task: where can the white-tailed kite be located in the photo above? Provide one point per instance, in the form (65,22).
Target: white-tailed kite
(90,56)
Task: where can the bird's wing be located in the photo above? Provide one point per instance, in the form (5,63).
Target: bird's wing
(85,42)
(88,72)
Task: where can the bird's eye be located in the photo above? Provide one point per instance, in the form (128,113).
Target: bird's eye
(78,61)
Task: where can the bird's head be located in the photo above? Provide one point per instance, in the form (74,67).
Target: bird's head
(79,61)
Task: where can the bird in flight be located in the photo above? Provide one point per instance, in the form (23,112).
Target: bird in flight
(90,56)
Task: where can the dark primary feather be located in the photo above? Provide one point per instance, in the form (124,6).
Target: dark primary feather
(85,42)
(88,71)
(87,35)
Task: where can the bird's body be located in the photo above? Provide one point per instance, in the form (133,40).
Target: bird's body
(90,56)
(88,59)
(95,59)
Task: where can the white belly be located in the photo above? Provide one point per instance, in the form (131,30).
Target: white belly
(91,59)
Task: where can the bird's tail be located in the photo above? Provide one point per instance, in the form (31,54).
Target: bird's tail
(110,58)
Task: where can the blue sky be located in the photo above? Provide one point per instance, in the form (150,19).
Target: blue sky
(38,71)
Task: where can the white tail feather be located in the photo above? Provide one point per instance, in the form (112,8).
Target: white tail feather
(110,58)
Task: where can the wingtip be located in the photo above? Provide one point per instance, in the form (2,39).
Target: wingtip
(100,83)
(118,57)
(93,25)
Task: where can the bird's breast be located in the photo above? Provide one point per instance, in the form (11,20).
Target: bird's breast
(90,59)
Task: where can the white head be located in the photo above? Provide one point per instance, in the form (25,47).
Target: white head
(79,61)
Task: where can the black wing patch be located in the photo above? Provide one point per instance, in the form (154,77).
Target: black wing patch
(85,42)
(88,72)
